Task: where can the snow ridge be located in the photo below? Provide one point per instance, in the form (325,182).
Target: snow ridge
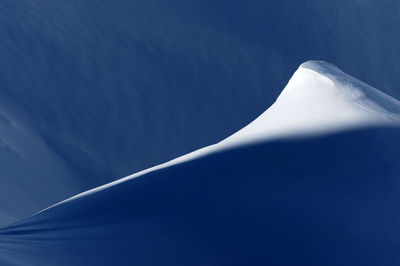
(319,99)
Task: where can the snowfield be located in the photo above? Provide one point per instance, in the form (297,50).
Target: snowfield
(313,181)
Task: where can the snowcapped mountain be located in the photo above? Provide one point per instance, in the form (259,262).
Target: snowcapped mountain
(313,180)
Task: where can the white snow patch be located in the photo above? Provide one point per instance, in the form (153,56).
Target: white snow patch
(320,98)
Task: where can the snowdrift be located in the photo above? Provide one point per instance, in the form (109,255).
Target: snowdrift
(322,191)
(103,89)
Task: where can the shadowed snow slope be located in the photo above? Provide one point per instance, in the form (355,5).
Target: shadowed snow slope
(322,199)
(329,200)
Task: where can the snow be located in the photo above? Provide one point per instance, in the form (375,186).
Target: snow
(108,88)
(308,201)
(91,91)
(239,201)
(318,99)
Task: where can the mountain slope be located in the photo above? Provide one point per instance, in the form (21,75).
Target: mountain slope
(254,198)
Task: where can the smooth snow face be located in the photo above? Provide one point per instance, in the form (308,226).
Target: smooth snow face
(320,98)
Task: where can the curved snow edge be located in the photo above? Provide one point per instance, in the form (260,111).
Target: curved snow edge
(319,72)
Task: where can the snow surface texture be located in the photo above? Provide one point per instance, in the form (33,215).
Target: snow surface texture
(108,88)
(310,199)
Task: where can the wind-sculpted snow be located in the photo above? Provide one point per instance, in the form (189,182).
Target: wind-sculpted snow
(318,99)
(312,181)
(108,88)
(321,98)
(328,200)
